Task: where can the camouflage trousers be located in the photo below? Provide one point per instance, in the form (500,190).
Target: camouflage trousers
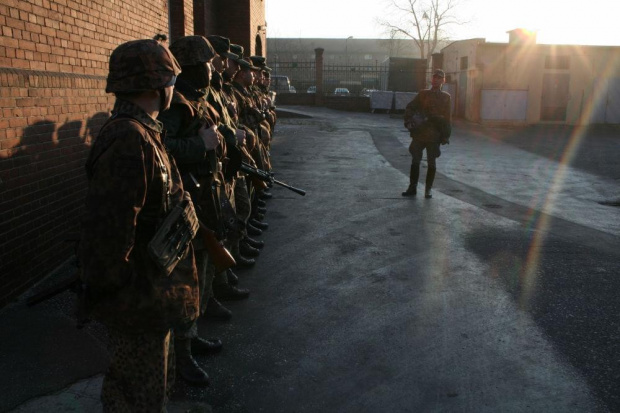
(242,200)
(141,373)
(243,208)
(206,273)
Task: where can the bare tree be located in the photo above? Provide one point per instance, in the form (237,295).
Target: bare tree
(427,22)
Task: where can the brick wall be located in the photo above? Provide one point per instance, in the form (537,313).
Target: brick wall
(53,62)
(240,24)
(181,18)
(53,65)
(257,18)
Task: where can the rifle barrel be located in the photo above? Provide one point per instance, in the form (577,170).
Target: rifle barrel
(292,188)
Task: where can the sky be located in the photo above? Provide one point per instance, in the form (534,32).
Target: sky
(592,22)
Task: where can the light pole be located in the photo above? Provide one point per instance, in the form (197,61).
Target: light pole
(346,48)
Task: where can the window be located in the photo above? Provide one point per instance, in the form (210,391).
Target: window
(464,62)
(367,57)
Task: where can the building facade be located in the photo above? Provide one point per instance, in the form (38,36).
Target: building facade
(53,66)
(525,82)
(346,52)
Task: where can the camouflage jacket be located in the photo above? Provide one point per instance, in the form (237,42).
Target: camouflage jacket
(188,112)
(249,113)
(434,105)
(129,176)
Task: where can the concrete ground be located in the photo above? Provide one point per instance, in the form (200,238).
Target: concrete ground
(499,294)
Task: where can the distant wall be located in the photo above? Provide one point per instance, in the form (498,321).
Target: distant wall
(346,103)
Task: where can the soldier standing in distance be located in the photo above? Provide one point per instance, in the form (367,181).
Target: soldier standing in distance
(428,119)
(132,185)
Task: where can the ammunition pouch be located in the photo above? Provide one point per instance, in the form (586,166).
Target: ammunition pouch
(170,243)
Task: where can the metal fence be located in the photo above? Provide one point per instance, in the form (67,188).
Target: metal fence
(302,76)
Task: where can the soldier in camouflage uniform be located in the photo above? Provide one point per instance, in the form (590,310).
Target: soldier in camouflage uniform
(243,247)
(428,119)
(261,91)
(132,185)
(254,119)
(197,140)
(230,92)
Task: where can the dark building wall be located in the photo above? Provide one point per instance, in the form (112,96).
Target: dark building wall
(240,22)
(181,18)
(53,66)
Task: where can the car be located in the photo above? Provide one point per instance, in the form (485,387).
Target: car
(311,89)
(281,84)
(341,91)
(367,92)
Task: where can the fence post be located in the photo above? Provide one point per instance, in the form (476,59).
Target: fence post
(318,81)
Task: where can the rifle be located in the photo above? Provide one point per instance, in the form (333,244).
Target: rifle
(222,258)
(267,177)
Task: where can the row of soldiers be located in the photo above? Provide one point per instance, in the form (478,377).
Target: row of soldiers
(220,118)
(178,178)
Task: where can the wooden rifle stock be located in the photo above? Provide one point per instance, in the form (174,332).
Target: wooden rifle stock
(221,257)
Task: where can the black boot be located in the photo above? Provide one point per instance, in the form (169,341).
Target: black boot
(216,311)
(258,224)
(253,243)
(265,195)
(226,292)
(261,210)
(414,175)
(232,277)
(261,203)
(243,261)
(430,177)
(252,230)
(206,346)
(247,250)
(187,367)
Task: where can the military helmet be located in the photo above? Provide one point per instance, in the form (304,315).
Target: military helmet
(141,65)
(237,49)
(192,50)
(221,45)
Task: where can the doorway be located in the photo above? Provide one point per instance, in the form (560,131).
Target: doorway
(554,97)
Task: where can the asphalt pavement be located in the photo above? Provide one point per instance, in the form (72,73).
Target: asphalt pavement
(498,294)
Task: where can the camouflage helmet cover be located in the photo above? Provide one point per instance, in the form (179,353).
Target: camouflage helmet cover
(237,49)
(192,50)
(141,65)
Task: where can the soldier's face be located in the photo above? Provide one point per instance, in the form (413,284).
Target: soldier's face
(232,69)
(248,76)
(209,71)
(220,63)
(167,97)
(437,81)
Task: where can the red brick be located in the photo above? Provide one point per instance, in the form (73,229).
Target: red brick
(9,42)
(18,122)
(20,63)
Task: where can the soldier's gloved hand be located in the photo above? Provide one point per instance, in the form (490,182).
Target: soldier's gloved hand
(210,137)
(240,133)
